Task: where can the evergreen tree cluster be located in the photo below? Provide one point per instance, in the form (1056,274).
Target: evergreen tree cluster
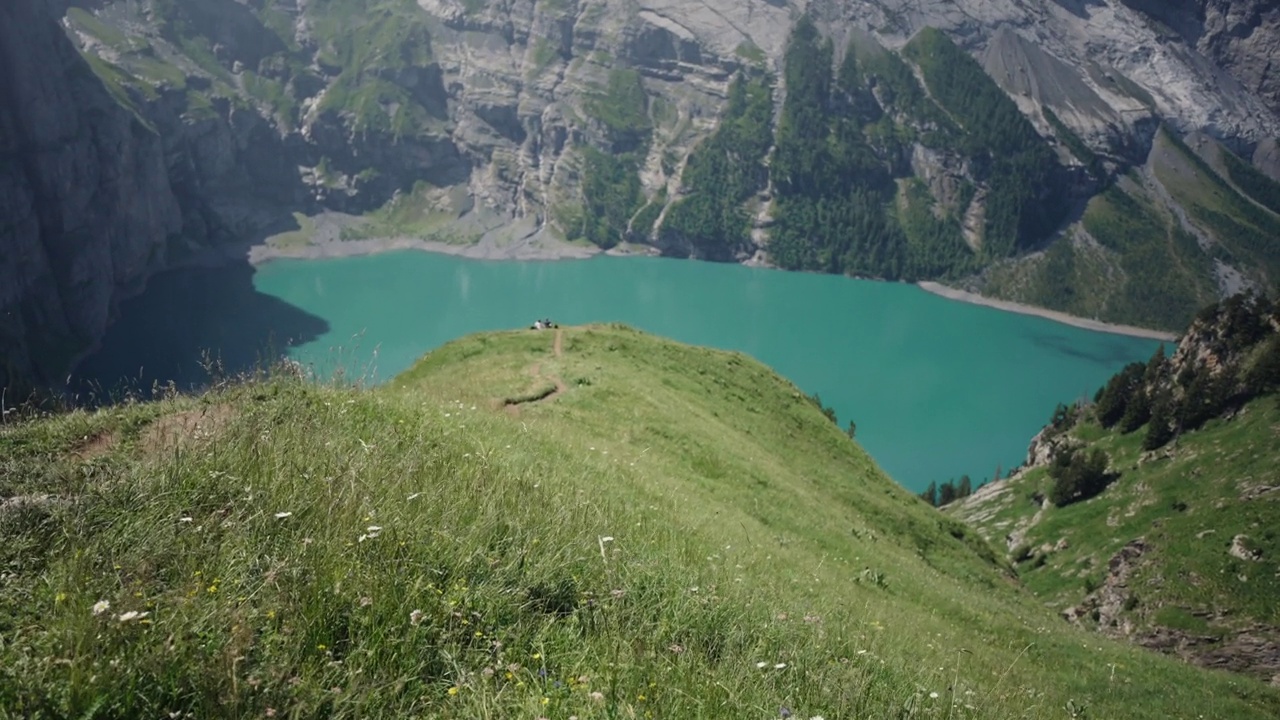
(1078,475)
(611,191)
(1253,182)
(723,172)
(948,492)
(1021,171)
(841,140)
(845,201)
(833,191)
(1240,331)
(830,412)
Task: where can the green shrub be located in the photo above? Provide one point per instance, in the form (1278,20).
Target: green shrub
(1078,475)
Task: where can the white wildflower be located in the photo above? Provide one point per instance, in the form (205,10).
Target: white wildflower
(132,615)
(933,695)
(415,617)
(101,606)
(185,519)
(283,515)
(415,496)
(762,664)
(779,666)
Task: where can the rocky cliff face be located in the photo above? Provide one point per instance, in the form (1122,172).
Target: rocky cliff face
(1241,36)
(179,125)
(85,199)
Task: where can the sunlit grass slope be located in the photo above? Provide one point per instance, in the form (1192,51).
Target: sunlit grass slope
(1186,502)
(670,533)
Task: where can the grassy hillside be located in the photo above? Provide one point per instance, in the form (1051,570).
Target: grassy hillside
(592,522)
(1141,265)
(1246,232)
(1152,513)
(1186,503)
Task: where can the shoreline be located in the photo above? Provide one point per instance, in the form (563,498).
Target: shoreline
(964,296)
(499,244)
(260,253)
(536,244)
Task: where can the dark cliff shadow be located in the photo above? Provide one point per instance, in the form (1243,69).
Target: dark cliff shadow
(185,319)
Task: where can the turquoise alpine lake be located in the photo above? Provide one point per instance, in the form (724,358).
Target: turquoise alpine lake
(937,388)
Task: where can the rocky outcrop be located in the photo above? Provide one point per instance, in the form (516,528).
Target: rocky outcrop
(1243,549)
(1241,36)
(1266,157)
(1253,649)
(1106,605)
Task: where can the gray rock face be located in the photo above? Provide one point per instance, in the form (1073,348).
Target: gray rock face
(1113,46)
(1241,36)
(85,200)
(1266,157)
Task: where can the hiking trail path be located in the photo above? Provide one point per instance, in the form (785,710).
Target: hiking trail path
(551,392)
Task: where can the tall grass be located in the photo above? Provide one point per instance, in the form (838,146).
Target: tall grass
(680,534)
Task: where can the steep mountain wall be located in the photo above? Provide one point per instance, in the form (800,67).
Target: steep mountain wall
(85,199)
(176,126)
(1241,36)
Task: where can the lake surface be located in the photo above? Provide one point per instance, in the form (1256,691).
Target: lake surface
(937,388)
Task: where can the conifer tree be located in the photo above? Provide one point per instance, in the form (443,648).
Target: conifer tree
(930,494)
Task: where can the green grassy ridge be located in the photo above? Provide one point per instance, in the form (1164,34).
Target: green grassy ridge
(1186,501)
(1246,233)
(1251,181)
(635,547)
(1167,276)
